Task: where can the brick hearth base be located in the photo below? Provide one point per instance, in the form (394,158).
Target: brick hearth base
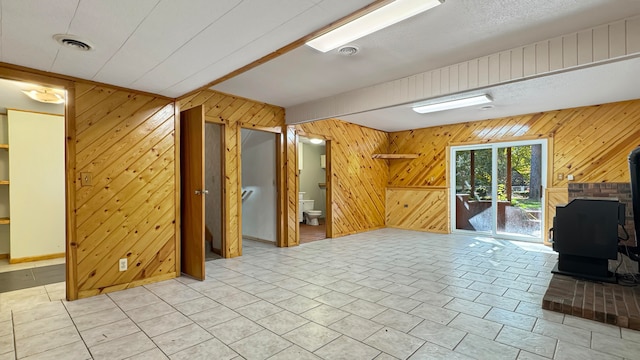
(608,303)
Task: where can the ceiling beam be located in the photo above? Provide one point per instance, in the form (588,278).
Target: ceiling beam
(293,45)
(617,41)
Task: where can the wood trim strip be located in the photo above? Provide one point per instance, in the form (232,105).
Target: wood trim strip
(22,73)
(177,184)
(417,188)
(71,266)
(272,129)
(35,258)
(35,112)
(92,292)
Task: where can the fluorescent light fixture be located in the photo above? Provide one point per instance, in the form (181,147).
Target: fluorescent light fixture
(453,104)
(315,141)
(369,23)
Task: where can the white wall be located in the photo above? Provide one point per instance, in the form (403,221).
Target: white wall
(36,190)
(259,216)
(213,182)
(4,190)
(312,174)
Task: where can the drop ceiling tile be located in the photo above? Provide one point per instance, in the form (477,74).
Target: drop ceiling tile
(250,20)
(164,31)
(107,27)
(27,27)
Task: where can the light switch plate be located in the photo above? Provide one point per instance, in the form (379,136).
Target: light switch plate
(86,179)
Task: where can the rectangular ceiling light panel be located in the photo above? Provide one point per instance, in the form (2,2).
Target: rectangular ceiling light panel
(367,24)
(453,104)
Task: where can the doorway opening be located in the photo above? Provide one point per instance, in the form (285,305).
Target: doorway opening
(259,188)
(312,186)
(32,149)
(498,189)
(213,140)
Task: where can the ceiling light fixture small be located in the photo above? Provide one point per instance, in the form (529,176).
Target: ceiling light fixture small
(315,141)
(72,41)
(46,95)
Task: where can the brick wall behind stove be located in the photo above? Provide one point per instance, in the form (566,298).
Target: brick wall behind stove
(621,191)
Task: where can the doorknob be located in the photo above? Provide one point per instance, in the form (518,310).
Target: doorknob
(202,192)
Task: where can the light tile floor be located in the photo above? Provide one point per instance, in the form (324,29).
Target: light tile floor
(5,266)
(384,294)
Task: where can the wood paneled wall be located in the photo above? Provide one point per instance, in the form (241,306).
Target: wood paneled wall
(233,113)
(418,209)
(358,182)
(592,143)
(125,141)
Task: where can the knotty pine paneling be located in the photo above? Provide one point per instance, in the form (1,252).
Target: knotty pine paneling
(126,141)
(555,196)
(357,181)
(418,209)
(292,235)
(234,112)
(591,142)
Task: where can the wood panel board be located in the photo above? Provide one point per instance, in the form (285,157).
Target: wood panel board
(126,141)
(419,209)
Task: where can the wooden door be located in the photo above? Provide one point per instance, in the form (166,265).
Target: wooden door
(192,192)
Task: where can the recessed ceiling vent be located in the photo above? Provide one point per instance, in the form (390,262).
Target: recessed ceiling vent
(73,42)
(348,50)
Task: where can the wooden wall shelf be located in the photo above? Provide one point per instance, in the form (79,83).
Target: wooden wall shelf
(4,221)
(4,182)
(394,156)
(4,146)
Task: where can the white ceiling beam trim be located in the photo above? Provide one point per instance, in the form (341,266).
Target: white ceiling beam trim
(576,50)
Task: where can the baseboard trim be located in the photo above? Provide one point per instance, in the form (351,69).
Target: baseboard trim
(93,292)
(258,239)
(35,258)
(4,256)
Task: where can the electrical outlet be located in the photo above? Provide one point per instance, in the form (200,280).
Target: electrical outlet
(570,177)
(123,264)
(560,176)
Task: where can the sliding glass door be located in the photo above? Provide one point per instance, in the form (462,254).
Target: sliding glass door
(498,189)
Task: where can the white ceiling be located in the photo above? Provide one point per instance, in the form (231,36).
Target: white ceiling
(456,31)
(171,47)
(167,47)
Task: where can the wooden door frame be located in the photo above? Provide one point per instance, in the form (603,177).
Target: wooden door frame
(223,186)
(328,177)
(20,74)
(281,191)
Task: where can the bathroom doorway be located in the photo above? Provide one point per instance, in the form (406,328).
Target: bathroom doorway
(312,184)
(259,189)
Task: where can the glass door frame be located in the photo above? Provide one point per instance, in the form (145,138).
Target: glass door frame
(494,146)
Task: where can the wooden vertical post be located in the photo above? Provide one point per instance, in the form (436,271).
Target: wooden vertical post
(472,165)
(508,185)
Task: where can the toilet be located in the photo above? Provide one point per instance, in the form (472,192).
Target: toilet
(311,217)
(307,213)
